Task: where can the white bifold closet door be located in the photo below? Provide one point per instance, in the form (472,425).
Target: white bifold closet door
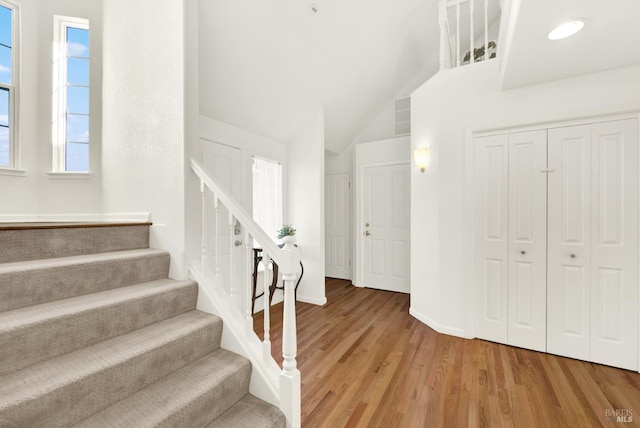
(527,289)
(569,288)
(511,239)
(492,237)
(593,243)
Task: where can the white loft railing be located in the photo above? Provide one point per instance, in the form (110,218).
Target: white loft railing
(457,19)
(285,381)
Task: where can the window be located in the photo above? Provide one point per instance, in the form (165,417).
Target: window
(8,78)
(71,95)
(267,195)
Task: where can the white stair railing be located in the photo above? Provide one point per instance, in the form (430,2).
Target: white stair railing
(286,383)
(463,20)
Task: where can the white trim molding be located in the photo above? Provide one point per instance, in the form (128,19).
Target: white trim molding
(82,217)
(443,329)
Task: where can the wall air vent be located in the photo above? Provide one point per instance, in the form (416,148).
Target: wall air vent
(402,116)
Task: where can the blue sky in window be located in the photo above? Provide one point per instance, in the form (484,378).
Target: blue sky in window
(5,39)
(77,158)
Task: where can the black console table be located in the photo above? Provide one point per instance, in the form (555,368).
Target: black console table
(257,258)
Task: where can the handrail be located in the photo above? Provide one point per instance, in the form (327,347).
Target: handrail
(246,219)
(288,260)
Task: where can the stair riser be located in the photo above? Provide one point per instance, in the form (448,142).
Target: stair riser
(34,244)
(84,396)
(33,287)
(31,344)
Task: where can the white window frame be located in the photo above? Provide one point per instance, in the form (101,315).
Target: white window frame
(14,146)
(59,119)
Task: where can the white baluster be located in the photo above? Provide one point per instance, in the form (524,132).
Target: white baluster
(458,34)
(216,206)
(232,243)
(444,36)
(486,30)
(203,253)
(248,281)
(471,13)
(267,321)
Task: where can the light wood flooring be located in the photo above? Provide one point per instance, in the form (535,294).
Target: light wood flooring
(365,362)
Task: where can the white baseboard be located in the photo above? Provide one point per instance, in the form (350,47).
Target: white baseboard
(76,217)
(18,218)
(451,331)
(312,300)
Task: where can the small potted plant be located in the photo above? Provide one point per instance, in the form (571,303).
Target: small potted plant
(287,234)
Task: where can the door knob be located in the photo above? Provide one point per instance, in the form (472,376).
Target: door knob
(573,256)
(366,233)
(238,243)
(523,252)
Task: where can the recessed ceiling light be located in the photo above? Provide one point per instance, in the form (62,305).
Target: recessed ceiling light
(565,30)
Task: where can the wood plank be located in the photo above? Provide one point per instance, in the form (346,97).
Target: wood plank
(365,362)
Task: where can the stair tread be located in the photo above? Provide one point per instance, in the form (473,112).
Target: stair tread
(19,318)
(250,412)
(173,397)
(57,262)
(42,378)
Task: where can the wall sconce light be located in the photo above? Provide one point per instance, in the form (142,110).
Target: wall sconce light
(421,157)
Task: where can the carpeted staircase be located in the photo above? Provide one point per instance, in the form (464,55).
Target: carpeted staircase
(94,334)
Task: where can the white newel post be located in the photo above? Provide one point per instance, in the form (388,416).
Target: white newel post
(290,394)
(444,36)
(266,343)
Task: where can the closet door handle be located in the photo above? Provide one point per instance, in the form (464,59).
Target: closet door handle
(523,252)
(573,256)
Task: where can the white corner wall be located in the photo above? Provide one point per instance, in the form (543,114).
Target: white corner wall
(446,111)
(306,207)
(250,144)
(143,118)
(35,194)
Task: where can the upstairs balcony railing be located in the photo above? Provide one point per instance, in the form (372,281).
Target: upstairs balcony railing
(466,34)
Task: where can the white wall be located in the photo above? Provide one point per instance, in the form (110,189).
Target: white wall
(35,193)
(143,117)
(445,111)
(306,207)
(250,144)
(392,150)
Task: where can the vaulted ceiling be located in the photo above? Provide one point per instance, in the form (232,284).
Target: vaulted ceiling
(269,66)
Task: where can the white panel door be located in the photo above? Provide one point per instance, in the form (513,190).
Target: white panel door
(492,237)
(614,243)
(527,289)
(337,218)
(386,227)
(569,229)
(224,164)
